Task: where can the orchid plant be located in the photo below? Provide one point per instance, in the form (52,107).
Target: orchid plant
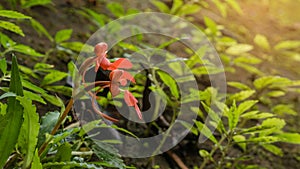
(118,77)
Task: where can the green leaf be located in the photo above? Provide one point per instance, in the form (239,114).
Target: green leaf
(239,49)
(211,25)
(33,87)
(36,163)
(3,108)
(3,65)
(239,85)
(65,90)
(170,82)
(43,66)
(8,94)
(99,19)
(124,130)
(29,130)
(221,7)
(233,116)
(116,9)
(293,138)
(13,14)
(5,41)
(129,46)
(273,149)
(207,70)
(12,121)
(242,95)
(250,68)
(31,3)
(28,71)
(176,5)
(262,41)
(88,127)
(53,100)
(269,81)
(247,59)
(246,105)
(264,139)
(240,140)
(63,153)
(161,6)
(34,96)
(204,153)
(48,122)
(108,154)
(282,109)
(26,50)
(276,93)
(289,44)
(275,125)
(268,126)
(202,128)
(188,9)
(256,115)
(234,4)
(11,27)
(53,77)
(40,29)
(77,46)
(63,35)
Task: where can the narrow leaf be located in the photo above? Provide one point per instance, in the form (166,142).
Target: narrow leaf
(293,138)
(13,14)
(239,49)
(29,130)
(10,127)
(63,35)
(206,131)
(3,64)
(36,163)
(262,41)
(170,82)
(26,50)
(161,6)
(8,94)
(11,27)
(54,76)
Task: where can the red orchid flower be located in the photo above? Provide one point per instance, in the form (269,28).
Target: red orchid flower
(101,61)
(118,77)
(130,100)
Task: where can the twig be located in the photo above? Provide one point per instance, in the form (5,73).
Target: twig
(177,160)
(58,123)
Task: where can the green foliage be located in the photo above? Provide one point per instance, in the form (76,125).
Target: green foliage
(11,122)
(178,8)
(31,3)
(29,131)
(252,116)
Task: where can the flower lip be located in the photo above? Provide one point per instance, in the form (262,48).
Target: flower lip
(131,101)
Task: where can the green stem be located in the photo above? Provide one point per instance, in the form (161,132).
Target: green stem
(58,123)
(215,148)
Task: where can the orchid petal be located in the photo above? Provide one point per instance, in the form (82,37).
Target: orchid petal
(120,63)
(138,111)
(105,63)
(114,89)
(115,75)
(100,49)
(128,76)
